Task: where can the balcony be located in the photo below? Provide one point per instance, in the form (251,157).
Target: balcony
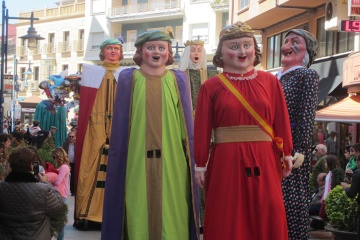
(153,11)
(78,45)
(48,48)
(261,14)
(220,5)
(63,47)
(76,9)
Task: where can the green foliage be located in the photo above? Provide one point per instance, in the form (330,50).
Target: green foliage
(59,221)
(341,210)
(45,152)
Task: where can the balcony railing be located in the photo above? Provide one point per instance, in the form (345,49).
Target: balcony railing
(63,47)
(48,48)
(76,8)
(220,4)
(144,8)
(78,45)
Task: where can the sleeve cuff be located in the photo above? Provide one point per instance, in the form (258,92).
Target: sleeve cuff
(200,169)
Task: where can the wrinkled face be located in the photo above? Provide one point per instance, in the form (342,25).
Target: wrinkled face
(112,53)
(155,54)
(238,55)
(195,53)
(293,51)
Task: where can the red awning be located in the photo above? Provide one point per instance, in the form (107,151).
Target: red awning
(346,110)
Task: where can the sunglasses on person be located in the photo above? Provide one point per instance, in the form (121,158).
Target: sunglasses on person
(71,136)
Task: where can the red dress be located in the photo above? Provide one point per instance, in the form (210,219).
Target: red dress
(237,206)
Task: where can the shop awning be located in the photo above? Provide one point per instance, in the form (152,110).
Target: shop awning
(346,110)
(330,70)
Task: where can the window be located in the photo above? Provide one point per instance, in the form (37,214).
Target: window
(332,42)
(66,41)
(96,40)
(51,43)
(274,44)
(179,35)
(199,31)
(131,36)
(80,42)
(244,3)
(36,73)
(64,67)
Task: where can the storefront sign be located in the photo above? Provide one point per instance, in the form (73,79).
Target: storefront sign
(353,7)
(32,110)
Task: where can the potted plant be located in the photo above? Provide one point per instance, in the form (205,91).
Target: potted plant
(342,213)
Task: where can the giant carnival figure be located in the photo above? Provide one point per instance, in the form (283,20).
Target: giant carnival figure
(246,109)
(300,86)
(149,184)
(98,88)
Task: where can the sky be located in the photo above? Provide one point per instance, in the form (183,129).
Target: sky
(14,6)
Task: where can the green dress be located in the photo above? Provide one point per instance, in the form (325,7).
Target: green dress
(158,196)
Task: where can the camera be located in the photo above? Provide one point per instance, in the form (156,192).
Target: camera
(36,168)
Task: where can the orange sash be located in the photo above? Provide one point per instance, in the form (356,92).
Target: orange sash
(279,143)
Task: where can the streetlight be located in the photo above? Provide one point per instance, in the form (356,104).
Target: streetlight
(31,36)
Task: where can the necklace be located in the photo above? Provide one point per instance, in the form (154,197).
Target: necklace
(252,76)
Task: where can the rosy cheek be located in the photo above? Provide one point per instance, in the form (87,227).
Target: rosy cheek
(146,55)
(165,55)
(231,55)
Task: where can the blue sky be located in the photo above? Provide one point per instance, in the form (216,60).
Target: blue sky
(14,6)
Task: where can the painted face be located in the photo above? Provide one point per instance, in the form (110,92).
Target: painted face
(155,54)
(112,53)
(238,55)
(195,53)
(43,85)
(293,51)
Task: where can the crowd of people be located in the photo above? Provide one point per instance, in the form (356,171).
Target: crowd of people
(327,173)
(20,161)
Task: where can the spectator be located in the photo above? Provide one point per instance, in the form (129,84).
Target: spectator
(334,177)
(351,165)
(331,143)
(26,205)
(354,189)
(320,153)
(355,150)
(6,140)
(4,164)
(315,204)
(5,128)
(69,147)
(35,128)
(62,182)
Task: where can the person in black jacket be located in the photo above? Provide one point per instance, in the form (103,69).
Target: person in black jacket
(354,189)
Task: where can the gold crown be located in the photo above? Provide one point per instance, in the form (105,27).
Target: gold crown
(238,27)
(194,42)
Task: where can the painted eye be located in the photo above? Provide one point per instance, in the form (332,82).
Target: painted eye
(150,48)
(162,48)
(246,45)
(234,47)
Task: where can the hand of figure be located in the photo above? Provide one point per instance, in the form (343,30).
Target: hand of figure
(344,185)
(289,166)
(348,170)
(200,178)
(42,177)
(298,160)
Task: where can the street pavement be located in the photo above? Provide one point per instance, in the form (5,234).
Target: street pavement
(72,233)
